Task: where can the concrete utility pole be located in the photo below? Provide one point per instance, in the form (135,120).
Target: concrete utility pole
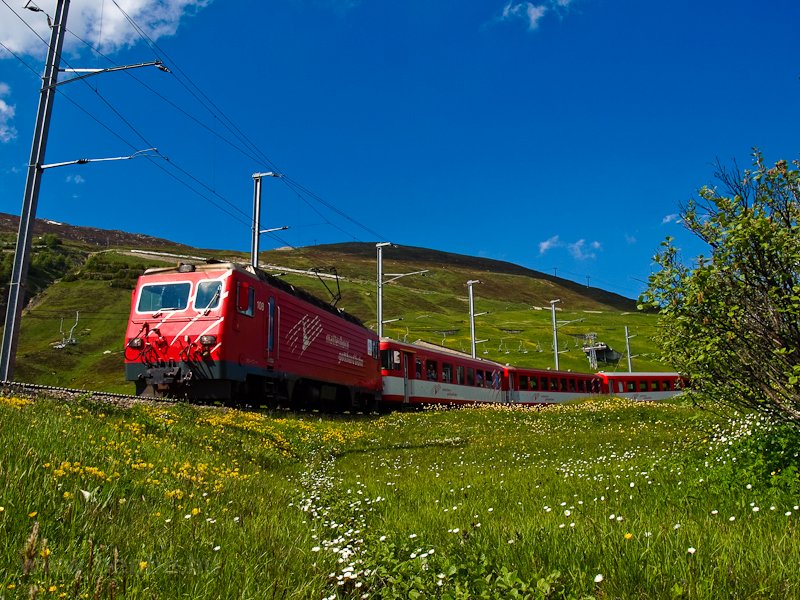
(555,329)
(392,277)
(36,166)
(19,273)
(257,231)
(472,314)
(628,348)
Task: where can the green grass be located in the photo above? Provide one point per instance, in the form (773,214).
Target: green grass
(190,502)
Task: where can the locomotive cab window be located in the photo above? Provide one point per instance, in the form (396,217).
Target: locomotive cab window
(158,297)
(245,298)
(208,294)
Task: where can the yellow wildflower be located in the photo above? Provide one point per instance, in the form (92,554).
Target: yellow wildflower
(628,536)
(142,565)
(195,512)
(32,514)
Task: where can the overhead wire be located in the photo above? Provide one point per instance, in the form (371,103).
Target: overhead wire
(248,148)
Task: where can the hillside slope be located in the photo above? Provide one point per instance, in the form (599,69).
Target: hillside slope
(92,273)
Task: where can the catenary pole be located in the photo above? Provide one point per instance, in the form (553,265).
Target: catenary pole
(19,273)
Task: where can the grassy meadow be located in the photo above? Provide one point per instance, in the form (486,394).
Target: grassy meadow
(600,499)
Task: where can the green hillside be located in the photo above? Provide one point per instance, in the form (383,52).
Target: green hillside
(89,274)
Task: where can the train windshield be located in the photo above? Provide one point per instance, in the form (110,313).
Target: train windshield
(164,296)
(208,293)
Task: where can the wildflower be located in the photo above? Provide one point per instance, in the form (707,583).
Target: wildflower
(142,565)
(749,486)
(32,514)
(195,512)
(316,549)
(788,513)
(45,552)
(756,509)
(216,548)
(714,512)
(412,536)
(67,495)
(691,550)
(382,538)
(676,526)
(52,589)
(598,578)
(567,513)
(628,536)
(2,509)
(732,519)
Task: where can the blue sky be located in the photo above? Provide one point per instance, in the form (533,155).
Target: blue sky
(561,135)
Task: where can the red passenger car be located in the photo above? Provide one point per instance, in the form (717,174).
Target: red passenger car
(540,386)
(421,373)
(223,331)
(643,386)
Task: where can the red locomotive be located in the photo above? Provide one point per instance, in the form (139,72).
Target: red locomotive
(223,331)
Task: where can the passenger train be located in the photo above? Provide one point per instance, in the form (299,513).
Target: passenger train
(222,331)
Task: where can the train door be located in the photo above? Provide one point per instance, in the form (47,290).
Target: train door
(512,394)
(406,378)
(272,330)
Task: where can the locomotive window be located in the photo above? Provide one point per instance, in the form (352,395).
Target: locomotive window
(534,383)
(571,385)
(470,376)
(245,298)
(665,386)
(563,387)
(447,373)
(581,385)
(479,378)
(390,360)
(523,383)
(460,375)
(631,386)
(642,386)
(432,370)
(208,294)
(653,386)
(553,384)
(164,296)
(271,325)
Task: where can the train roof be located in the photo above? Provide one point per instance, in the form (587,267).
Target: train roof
(272,280)
(442,350)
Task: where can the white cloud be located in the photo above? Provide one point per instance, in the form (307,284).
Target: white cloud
(579,252)
(630,239)
(7,130)
(528,11)
(77,179)
(100,23)
(673,218)
(548,244)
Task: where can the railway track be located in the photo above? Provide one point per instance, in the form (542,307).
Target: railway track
(33,390)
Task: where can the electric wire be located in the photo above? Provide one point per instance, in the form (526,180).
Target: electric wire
(249,149)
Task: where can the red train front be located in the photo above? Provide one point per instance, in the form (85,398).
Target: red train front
(222,331)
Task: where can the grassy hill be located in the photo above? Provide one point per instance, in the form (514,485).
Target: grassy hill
(91,272)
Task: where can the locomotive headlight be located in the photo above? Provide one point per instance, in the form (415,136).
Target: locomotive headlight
(208,340)
(136,343)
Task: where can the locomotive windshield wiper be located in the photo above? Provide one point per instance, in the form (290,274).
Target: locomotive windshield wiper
(207,309)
